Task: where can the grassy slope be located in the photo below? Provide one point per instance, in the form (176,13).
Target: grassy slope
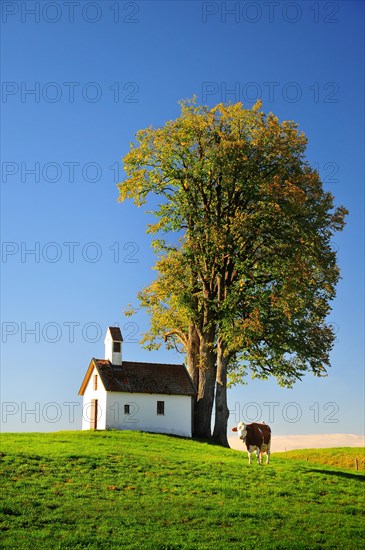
(340,457)
(135,490)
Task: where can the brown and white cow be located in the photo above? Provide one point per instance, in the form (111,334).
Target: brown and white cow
(257,437)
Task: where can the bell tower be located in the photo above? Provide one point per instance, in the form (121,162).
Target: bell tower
(113,345)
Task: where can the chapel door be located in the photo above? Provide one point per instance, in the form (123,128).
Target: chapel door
(94,414)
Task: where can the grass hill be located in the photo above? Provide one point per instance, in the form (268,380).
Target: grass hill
(76,490)
(343,457)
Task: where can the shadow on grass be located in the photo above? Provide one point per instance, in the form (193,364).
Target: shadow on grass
(348,475)
(184,438)
(209,442)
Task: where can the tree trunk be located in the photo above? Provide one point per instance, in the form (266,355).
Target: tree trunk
(221,408)
(193,355)
(205,398)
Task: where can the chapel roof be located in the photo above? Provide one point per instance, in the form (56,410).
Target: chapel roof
(141,377)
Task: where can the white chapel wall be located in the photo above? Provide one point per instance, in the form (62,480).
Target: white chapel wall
(100,395)
(143,415)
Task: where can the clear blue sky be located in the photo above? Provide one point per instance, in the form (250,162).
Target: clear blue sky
(78,82)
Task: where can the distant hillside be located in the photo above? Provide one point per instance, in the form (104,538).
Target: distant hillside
(340,457)
(306,441)
(102,490)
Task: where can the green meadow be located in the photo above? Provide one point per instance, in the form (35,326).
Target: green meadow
(137,490)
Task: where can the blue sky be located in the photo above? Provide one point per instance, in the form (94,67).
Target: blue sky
(78,82)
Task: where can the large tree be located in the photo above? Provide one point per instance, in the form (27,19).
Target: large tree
(248,283)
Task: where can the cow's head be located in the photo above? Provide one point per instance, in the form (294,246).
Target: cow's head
(241,430)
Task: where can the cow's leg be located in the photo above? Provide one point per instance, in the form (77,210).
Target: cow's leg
(249,457)
(268,456)
(259,458)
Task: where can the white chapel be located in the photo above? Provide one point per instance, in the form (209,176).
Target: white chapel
(128,395)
